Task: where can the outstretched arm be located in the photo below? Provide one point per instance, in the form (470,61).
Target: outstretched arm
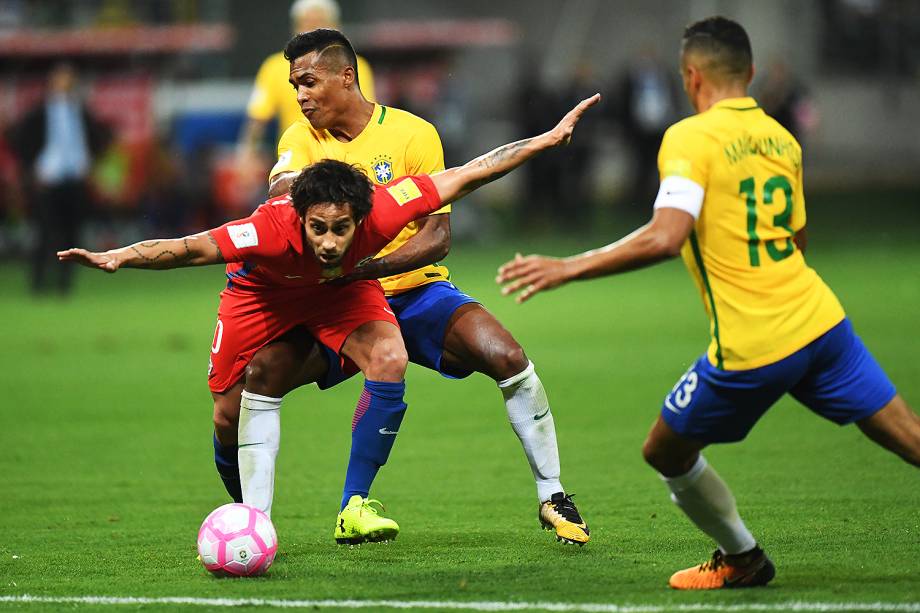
(658,240)
(455,183)
(159,254)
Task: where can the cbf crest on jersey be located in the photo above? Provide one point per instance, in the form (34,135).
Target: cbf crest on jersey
(383,169)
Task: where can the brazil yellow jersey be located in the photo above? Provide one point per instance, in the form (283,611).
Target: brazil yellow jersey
(273,94)
(394,144)
(764,302)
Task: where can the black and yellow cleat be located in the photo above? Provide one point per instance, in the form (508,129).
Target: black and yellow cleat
(560,514)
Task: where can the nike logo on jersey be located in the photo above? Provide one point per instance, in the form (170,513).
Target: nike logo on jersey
(247,444)
(541,415)
(293,277)
(386,431)
(389,311)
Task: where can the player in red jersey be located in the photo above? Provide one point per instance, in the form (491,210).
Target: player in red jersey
(287,251)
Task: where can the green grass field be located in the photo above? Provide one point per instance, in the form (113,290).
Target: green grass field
(106,470)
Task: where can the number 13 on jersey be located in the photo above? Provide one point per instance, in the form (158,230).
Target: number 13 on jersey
(776,251)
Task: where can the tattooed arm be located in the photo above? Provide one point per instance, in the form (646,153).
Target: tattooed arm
(160,254)
(455,183)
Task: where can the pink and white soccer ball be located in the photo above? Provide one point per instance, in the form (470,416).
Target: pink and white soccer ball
(238,540)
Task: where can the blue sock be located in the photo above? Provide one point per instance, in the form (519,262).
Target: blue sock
(228,468)
(373,431)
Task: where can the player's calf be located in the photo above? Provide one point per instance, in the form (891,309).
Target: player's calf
(226,419)
(896,428)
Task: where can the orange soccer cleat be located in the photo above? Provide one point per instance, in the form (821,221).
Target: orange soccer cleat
(744,570)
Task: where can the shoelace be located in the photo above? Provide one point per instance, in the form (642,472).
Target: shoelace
(566,508)
(366,506)
(716,562)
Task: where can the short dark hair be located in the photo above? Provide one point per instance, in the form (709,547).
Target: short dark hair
(725,42)
(332,181)
(319,40)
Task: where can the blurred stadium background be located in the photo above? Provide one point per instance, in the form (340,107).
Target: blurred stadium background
(171,78)
(105,427)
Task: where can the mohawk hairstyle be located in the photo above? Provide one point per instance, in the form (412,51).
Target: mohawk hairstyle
(320,40)
(332,181)
(724,42)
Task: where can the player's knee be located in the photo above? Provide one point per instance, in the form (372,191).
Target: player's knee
(507,361)
(264,374)
(651,452)
(226,421)
(388,362)
(662,460)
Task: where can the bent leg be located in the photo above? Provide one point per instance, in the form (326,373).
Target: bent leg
(286,363)
(226,418)
(896,428)
(475,340)
(259,441)
(378,350)
(696,488)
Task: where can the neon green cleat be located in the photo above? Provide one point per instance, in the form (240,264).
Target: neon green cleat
(359,522)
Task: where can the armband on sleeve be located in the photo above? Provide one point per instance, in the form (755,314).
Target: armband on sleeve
(680,193)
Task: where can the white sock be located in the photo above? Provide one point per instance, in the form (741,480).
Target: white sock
(709,504)
(526,400)
(259,439)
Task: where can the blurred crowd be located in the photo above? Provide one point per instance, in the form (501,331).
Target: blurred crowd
(81,161)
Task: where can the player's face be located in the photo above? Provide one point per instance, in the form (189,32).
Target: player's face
(330,229)
(319,90)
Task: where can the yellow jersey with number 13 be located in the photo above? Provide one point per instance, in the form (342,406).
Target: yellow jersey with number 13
(394,144)
(764,302)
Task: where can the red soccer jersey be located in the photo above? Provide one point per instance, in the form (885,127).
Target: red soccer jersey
(268,249)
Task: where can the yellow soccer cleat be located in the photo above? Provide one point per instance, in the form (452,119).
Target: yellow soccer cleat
(750,569)
(359,522)
(559,514)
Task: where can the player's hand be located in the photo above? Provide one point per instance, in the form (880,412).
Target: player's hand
(106,261)
(562,133)
(362,272)
(530,275)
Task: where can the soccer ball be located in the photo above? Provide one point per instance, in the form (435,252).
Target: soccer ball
(237,540)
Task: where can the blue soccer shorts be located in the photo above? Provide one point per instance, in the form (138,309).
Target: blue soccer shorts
(423,314)
(835,376)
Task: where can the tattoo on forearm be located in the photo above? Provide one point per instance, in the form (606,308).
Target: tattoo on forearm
(500,155)
(150,259)
(214,242)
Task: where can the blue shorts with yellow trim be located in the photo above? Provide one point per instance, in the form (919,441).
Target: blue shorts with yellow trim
(423,314)
(835,376)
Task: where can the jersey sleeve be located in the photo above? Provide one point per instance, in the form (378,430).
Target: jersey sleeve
(254,238)
(262,105)
(293,153)
(425,155)
(684,153)
(400,202)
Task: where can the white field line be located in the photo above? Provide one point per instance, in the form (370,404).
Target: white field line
(796,605)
